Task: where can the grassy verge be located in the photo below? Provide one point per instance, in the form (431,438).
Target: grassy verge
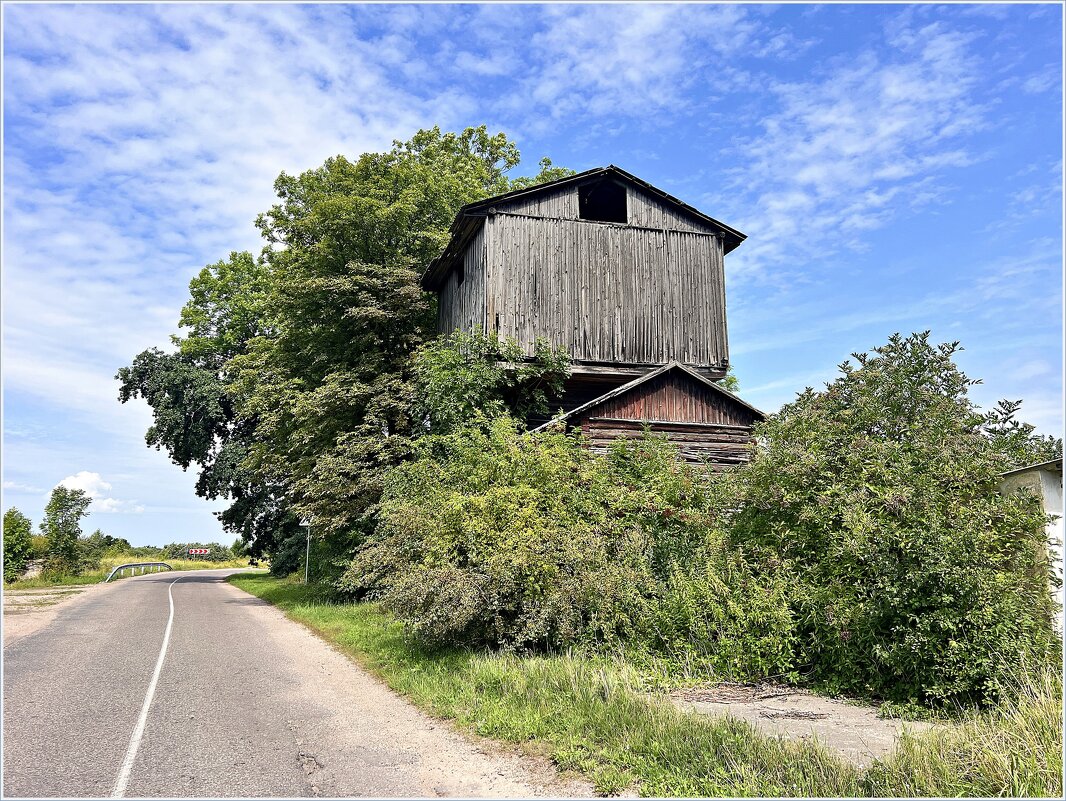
(1012,750)
(21,603)
(91,577)
(589,714)
(586,714)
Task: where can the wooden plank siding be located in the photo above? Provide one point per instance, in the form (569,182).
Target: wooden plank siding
(462,306)
(708,424)
(647,211)
(607,293)
(643,209)
(716,449)
(560,204)
(675,397)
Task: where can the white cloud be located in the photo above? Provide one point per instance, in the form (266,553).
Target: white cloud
(113,506)
(141,144)
(630,62)
(1049,78)
(93,485)
(1032,368)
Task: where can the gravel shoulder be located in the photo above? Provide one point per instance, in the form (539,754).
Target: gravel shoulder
(28,611)
(365,716)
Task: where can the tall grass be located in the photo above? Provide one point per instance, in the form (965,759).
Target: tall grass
(54,580)
(109,563)
(1014,749)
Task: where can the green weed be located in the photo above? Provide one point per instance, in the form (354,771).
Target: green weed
(1015,749)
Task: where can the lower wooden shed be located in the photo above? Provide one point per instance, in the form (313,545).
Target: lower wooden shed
(709,424)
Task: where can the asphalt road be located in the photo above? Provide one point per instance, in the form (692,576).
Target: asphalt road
(245,703)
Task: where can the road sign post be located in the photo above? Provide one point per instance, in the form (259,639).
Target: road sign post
(306,523)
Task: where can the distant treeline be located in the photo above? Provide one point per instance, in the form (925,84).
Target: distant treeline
(67,552)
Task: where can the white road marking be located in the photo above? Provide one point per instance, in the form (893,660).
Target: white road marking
(138,730)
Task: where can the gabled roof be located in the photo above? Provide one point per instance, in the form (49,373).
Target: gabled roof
(1055,465)
(471,216)
(625,388)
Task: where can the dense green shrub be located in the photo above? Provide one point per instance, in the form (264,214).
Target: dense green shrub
(463,376)
(39,546)
(915,580)
(865,548)
(97,545)
(718,616)
(18,543)
(495,537)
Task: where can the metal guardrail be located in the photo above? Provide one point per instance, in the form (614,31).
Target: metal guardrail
(132,566)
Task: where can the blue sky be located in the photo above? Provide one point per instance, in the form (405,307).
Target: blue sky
(896,168)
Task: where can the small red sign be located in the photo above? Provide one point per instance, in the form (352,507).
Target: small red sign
(199,550)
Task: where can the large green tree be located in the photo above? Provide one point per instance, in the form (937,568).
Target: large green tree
(331,388)
(914,577)
(194,417)
(292,389)
(62,526)
(18,543)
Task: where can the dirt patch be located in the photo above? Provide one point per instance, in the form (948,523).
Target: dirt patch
(28,611)
(852,730)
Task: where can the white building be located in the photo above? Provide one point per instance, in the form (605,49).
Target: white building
(1045,482)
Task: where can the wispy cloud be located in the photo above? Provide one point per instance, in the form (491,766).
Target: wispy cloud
(164,132)
(852,148)
(18,486)
(1043,81)
(993,292)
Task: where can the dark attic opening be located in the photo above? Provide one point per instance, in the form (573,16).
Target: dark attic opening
(602,201)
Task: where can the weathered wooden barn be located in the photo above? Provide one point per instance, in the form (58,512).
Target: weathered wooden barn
(628,279)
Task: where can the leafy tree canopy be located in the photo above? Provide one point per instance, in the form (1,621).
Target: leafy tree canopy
(62,526)
(18,543)
(331,388)
(292,387)
(226,308)
(466,376)
(189,391)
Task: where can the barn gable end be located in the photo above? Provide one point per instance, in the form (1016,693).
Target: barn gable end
(708,423)
(629,281)
(602,264)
